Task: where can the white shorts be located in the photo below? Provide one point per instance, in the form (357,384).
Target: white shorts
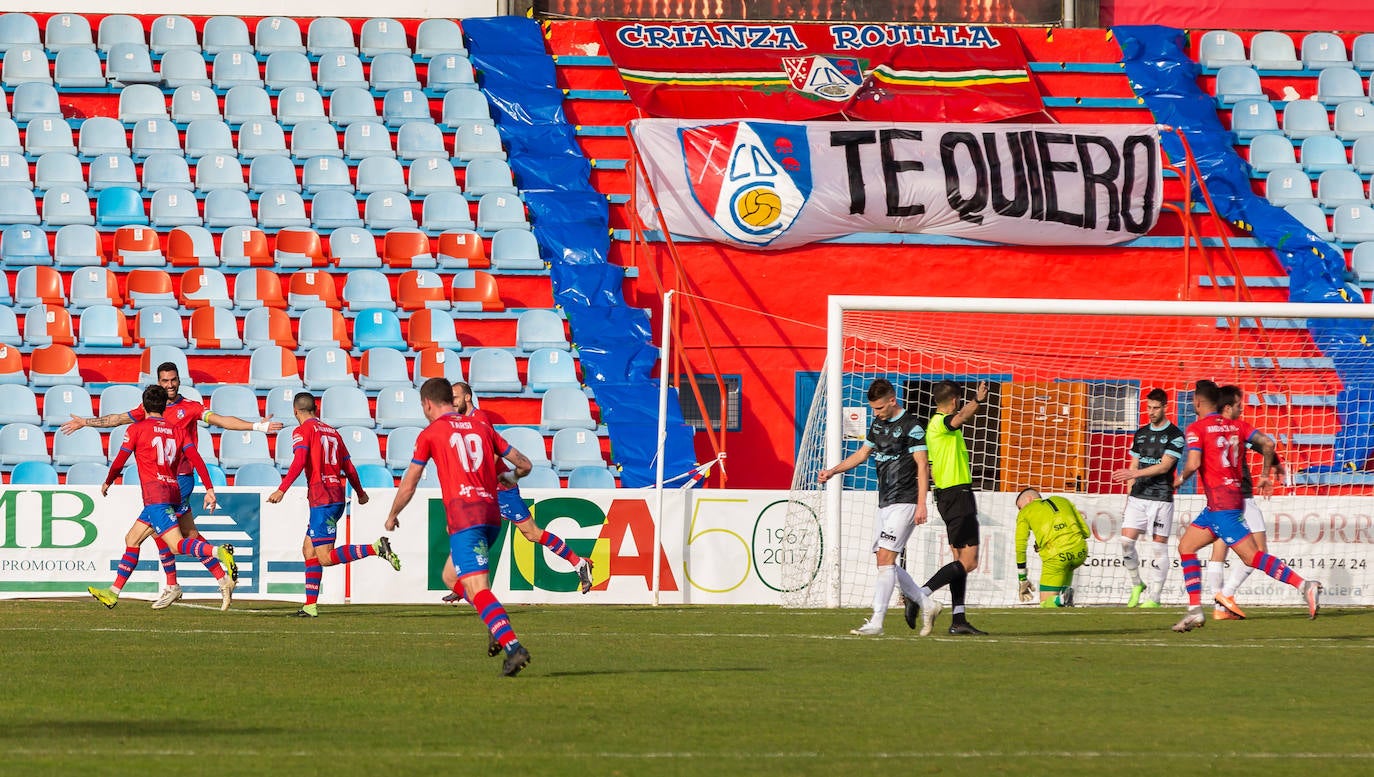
(1148,516)
(894,527)
(1254,519)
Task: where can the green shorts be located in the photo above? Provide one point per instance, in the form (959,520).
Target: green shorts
(1056,569)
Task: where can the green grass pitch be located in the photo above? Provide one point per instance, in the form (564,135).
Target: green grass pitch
(714,691)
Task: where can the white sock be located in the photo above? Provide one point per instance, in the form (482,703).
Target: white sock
(1236,577)
(1158,569)
(910,588)
(882,594)
(1131,559)
(1216,576)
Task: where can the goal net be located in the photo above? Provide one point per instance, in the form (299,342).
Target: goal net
(1068,380)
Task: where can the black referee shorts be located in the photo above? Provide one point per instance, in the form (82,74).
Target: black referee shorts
(959,511)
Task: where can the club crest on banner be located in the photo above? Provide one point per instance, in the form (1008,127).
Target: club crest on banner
(829,78)
(751,178)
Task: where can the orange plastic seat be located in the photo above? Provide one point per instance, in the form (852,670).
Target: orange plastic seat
(295,242)
(475,290)
(462,248)
(435,362)
(53,365)
(201,289)
(11,365)
(245,247)
(276,330)
(267,289)
(417,289)
(136,245)
(47,287)
(149,286)
(429,328)
(402,248)
(215,328)
(312,288)
(51,323)
(181,250)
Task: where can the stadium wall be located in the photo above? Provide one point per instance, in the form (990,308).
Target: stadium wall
(405,9)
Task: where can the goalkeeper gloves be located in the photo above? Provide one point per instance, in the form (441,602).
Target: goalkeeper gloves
(1023,592)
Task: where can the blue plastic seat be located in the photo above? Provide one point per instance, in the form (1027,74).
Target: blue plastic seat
(58,169)
(487,175)
(22,442)
(377,328)
(399,407)
(388,210)
(345,406)
(432,174)
(493,370)
(382,368)
(171,32)
(364,449)
(66,205)
(1323,50)
(119,398)
(1220,48)
(465,106)
(1287,186)
(1237,82)
(339,70)
(9,328)
(550,367)
(256,474)
(239,449)
(1311,216)
(37,473)
(1340,187)
(539,329)
(159,326)
(355,247)
(323,173)
(516,249)
(35,101)
(497,211)
(381,36)
(183,67)
(277,33)
(287,69)
(77,245)
(1362,155)
(235,68)
(326,367)
(380,174)
(18,405)
(334,208)
(17,206)
(529,442)
(14,170)
(221,332)
(475,141)
(366,288)
(565,408)
(541,477)
(322,328)
(223,33)
(272,366)
(156,136)
(48,134)
(18,30)
(104,326)
(9,136)
(140,102)
(281,208)
(267,173)
(315,138)
(300,104)
(173,208)
(573,448)
(445,210)
(86,474)
(166,171)
(25,65)
(77,69)
(1335,85)
(1274,51)
(219,171)
(24,245)
(417,140)
(1362,52)
(439,36)
(228,208)
(127,64)
(60,403)
(192,102)
(365,139)
(261,138)
(258,326)
(1305,119)
(449,71)
(404,105)
(393,71)
(68,32)
(1250,118)
(247,103)
(120,28)
(434,328)
(110,170)
(400,447)
(45,325)
(591,477)
(82,446)
(208,136)
(349,104)
(1319,154)
(93,286)
(374,476)
(1353,224)
(1354,119)
(327,35)
(284,445)
(279,405)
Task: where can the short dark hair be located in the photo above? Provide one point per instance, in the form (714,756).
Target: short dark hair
(1025,491)
(944,391)
(462,384)
(304,402)
(438,391)
(880,389)
(1157,395)
(1208,391)
(1230,395)
(168,367)
(154,398)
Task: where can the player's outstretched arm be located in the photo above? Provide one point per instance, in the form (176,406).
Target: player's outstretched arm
(404,493)
(103,422)
(236,424)
(853,460)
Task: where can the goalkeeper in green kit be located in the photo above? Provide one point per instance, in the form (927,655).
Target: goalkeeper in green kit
(1061,539)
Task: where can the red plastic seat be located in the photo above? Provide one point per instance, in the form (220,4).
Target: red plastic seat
(267,289)
(11,365)
(53,365)
(245,243)
(47,286)
(200,289)
(418,289)
(137,245)
(149,286)
(181,251)
(300,241)
(462,248)
(475,290)
(49,322)
(214,328)
(401,247)
(279,328)
(311,288)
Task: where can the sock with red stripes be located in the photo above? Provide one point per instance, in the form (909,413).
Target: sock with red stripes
(498,622)
(556,544)
(313,572)
(168,559)
(127,562)
(1274,567)
(1192,578)
(346,553)
(198,548)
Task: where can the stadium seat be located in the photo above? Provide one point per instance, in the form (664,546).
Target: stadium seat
(1274,51)
(388,210)
(404,248)
(287,69)
(283,452)
(324,173)
(37,285)
(465,106)
(24,245)
(327,35)
(137,246)
(157,325)
(78,69)
(417,289)
(1362,155)
(400,447)
(565,408)
(381,368)
(449,71)
(130,64)
(1335,85)
(272,172)
(239,449)
(476,141)
(60,403)
(203,287)
(405,106)
(529,442)
(214,328)
(363,139)
(194,102)
(14,169)
(377,328)
(120,206)
(300,247)
(17,206)
(277,33)
(221,171)
(53,365)
(1319,154)
(242,246)
(9,327)
(282,208)
(439,36)
(142,102)
(334,208)
(267,326)
(68,31)
(149,287)
(496,212)
(273,366)
(1340,187)
(104,326)
(233,69)
(591,477)
(77,245)
(487,175)
(224,33)
(549,367)
(86,474)
(11,365)
(493,371)
(279,402)
(33,101)
(399,407)
(247,103)
(1354,119)
(228,208)
(112,170)
(364,449)
(46,325)
(475,290)
(354,247)
(430,174)
(258,288)
(1288,186)
(541,477)
(436,362)
(345,406)
(340,71)
(515,249)
(373,476)
(166,171)
(173,208)
(153,136)
(300,104)
(25,65)
(261,138)
(433,328)
(94,286)
(1250,118)
(9,137)
(573,448)
(367,289)
(326,367)
(382,36)
(57,169)
(314,138)
(349,104)
(5,298)
(380,174)
(1220,48)
(1362,261)
(1353,224)
(171,32)
(83,445)
(17,30)
(417,140)
(182,67)
(22,442)
(34,473)
(323,328)
(119,398)
(19,405)
(208,136)
(462,248)
(392,71)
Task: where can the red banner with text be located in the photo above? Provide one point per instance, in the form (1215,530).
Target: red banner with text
(795,72)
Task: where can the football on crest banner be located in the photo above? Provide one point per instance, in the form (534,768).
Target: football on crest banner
(797,72)
(758,184)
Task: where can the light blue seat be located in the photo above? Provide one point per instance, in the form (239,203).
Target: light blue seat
(22,442)
(277,33)
(516,249)
(183,67)
(171,32)
(192,102)
(591,477)
(109,170)
(5,298)
(257,474)
(391,71)
(355,247)
(1362,261)
(328,34)
(497,211)
(139,102)
(83,445)
(68,31)
(207,287)
(238,449)
(92,286)
(120,28)
(1305,119)
(17,206)
(25,65)
(35,101)
(235,68)
(388,210)
(283,445)
(334,208)
(279,405)
(298,104)
(37,332)
(1287,186)
(541,477)
(77,245)
(465,106)
(24,245)
(404,105)
(257,328)
(166,171)
(76,69)
(487,175)
(27,291)
(286,69)
(365,288)
(338,70)
(228,208)
(380,174)
(1354,119)
(1353,223)
(432,174)
(382,368)
(243,246)
(529,442)
(377,328)
(416,140)
(1274,51)
(267,173)
(1362,155)
(1323,50)
(564,407)
(222,33)
(550,367)
(573,448)
(130,63)
(58,169)
(208,136)
(1311,216)
(9,136)
(48,134)
(1250,118)
(373,476)
(349,104)
(18,405)
(1362,52)
(119,398)
(438,36)
(318,329)
(281,208)
(345,406)
(326,367)
(272,366)
(14,170)
(381,36)
(219,171)
(1340,187)
(445,210)
(315,138)
(18,30)
(66,205)
(1319,154)
(156,136)
(60,403)
(539,329)
(324,173)
(365,139)
(245,103)
(173,208)
(474,141)
(157,325)
(364,449)
(9,330)
(86,474)
(1237,82)
(449,71)
(1335,85)
(493,370)
(261,138)
(400,447)
(399,407)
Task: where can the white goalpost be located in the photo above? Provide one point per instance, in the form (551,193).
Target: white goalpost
(1068,381)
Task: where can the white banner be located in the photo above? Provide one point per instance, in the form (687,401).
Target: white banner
(758,184)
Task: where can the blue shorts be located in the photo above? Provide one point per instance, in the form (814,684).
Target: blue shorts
(187,484)
(470,549)
(160,517)
(513,507)
(324,524)
(1229,525)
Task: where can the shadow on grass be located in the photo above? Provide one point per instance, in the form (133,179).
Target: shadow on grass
(596,672)
(121,728)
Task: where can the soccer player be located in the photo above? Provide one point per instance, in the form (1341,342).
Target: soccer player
(1061,539)
(513,509)
(949,464)
(159,447)
(319,450)
(1214,448)
(464,451)
(1157,448)
(1224,585)
(898,440)
(182,412)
